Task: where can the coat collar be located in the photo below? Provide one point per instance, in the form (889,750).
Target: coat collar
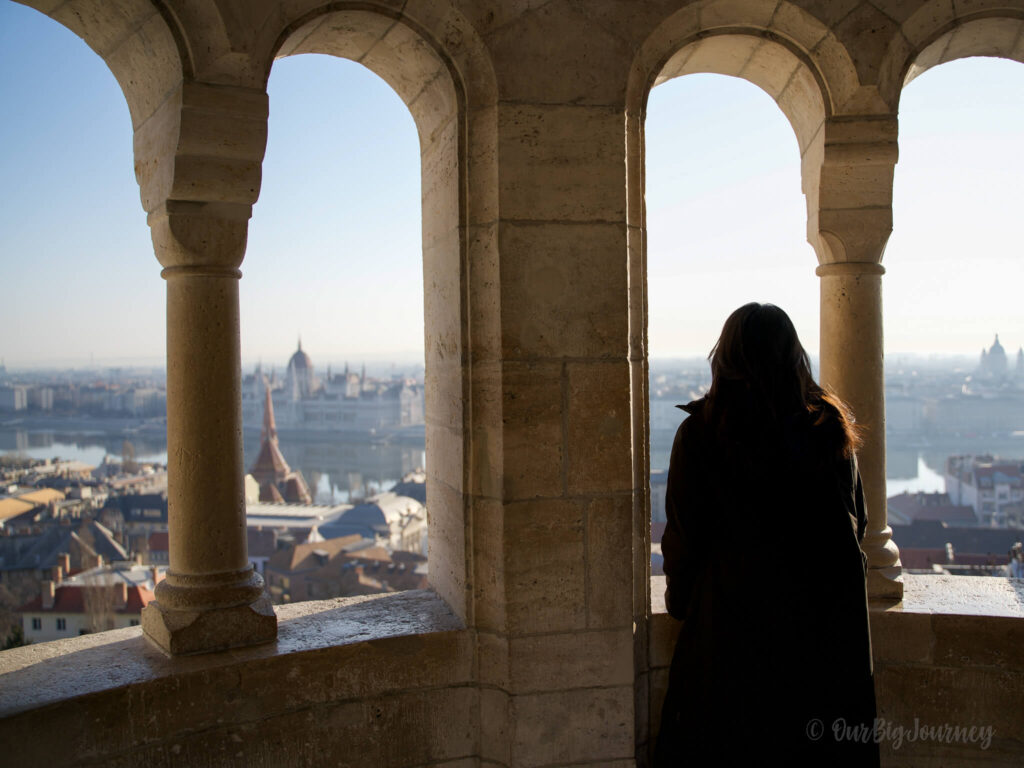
(694,406)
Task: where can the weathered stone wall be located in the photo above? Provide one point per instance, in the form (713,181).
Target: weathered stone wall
(952,654)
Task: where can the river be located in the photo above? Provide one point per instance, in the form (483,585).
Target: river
(335,470)
(338,469)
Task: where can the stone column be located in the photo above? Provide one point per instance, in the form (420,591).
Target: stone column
(854,221)
(553,534)
(852,366)
(212,598)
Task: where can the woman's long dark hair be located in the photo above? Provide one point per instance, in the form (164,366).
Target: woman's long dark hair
(761,380)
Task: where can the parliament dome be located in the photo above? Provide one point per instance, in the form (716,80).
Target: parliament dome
(300,360)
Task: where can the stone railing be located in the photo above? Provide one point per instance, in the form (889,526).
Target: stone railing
(384,680)
(391,680)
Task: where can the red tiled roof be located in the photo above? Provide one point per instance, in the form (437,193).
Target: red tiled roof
(71,599)
(138,598)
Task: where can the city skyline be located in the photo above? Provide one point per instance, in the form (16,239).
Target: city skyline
(338,263)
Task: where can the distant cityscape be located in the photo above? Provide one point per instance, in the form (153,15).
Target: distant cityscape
(336,492)
(343,401)
(955,455)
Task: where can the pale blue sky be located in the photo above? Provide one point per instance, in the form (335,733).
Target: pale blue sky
(334,240)
(727,220)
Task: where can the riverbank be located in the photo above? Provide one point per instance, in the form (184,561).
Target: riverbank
(156,428)
(86,424)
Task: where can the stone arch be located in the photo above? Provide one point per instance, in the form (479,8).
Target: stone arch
(768,62)
(135,41)
(394,51)
(775,45)
(937,32)
(781,22)
(429,82)
(143,49)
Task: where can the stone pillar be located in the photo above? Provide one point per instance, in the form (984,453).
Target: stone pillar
(854,222)
(553,598)
(212,598)
(852,367)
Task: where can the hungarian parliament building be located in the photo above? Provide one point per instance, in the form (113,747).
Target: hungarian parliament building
(344,402)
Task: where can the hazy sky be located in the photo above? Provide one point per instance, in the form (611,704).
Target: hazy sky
(727,220)
(334,240)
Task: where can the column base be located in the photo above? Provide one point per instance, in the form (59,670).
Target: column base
(885,584)
(184,632)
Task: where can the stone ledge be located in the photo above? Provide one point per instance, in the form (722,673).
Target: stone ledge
(47,673)
(961,596)
(937,615)
(922,593)
(954,623)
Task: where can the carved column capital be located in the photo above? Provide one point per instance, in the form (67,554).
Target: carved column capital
(193,235)
(854,212)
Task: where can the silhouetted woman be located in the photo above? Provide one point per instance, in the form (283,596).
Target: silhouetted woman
(764,566)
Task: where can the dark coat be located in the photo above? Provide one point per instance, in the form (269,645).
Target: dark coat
(765,570)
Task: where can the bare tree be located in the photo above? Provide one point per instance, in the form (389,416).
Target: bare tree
(101,600)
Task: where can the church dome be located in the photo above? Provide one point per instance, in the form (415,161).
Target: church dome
(300,360)
(993,364)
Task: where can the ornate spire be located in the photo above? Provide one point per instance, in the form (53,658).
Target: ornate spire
(269,425)
(270,465)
